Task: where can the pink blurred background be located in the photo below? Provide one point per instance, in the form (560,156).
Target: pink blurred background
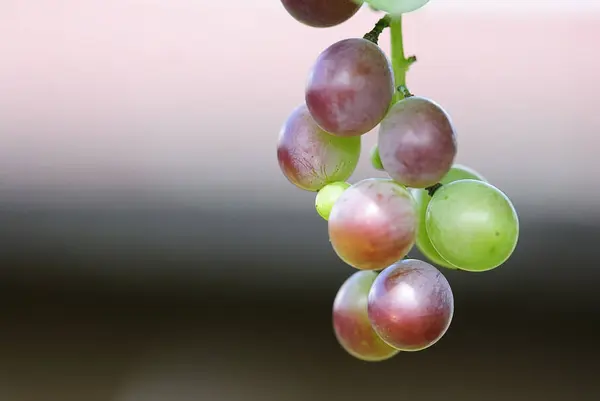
(184,99)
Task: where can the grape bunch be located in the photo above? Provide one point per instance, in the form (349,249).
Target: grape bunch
(451,213)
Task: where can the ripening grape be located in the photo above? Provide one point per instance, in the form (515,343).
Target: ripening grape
(375,159)
(410,305)
(373,224)
(472,224)
(311,158)
(321,13)
(350,87)
(350,321)
(327,196)
(417,142)
(396,7)
(457,172)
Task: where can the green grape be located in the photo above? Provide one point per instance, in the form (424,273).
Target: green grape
(460,172)
(422,198)
(375,159)
(422,242)
(327,196)
(472,224)
(361,2)
(395,7)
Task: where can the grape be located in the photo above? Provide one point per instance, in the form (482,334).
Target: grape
(472,224)
(370,6)
(327,197)
(457,172)
(375,159)
(309,157)
(350,87)
(321,13)
(350,321)
(410,305)
(416,142)
(373,224)
(397,7)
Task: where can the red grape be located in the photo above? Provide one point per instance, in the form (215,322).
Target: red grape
(373,224)
(410,305)
(350,87)
(417,142)
(311,158)
(350,321)
(321,13)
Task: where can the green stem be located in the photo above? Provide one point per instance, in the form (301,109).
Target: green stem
(373,35)
(400,64)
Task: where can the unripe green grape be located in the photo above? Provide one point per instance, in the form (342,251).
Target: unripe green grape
(375,159)
(327,196)
(461,172)
(422,198)
(472,224)
(395,7)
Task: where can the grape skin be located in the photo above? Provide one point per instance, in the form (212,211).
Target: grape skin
(327,196)
(350,87)
(351,324)
(472,225)
(373,224)
(422,198)
(375,159)
(321,13)
(309,157)
(417,142)
(396,7)
(410,305)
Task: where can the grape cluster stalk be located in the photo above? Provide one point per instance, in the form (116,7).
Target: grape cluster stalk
(450,212)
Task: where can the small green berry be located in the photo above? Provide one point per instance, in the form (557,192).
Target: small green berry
(376,159)
(327,197)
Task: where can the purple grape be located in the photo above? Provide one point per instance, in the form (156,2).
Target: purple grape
(309,157)
(410,305)
(373,224)
(350,87)
(350,321)
(417,142)
(321,13)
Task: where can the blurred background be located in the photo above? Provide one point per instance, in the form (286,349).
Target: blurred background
(151,249)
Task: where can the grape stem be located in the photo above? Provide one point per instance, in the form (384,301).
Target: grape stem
(432,189)
(400,63)
(373,34)
(404,91)
(400,66)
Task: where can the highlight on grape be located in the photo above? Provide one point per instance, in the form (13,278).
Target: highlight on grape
(450,212)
